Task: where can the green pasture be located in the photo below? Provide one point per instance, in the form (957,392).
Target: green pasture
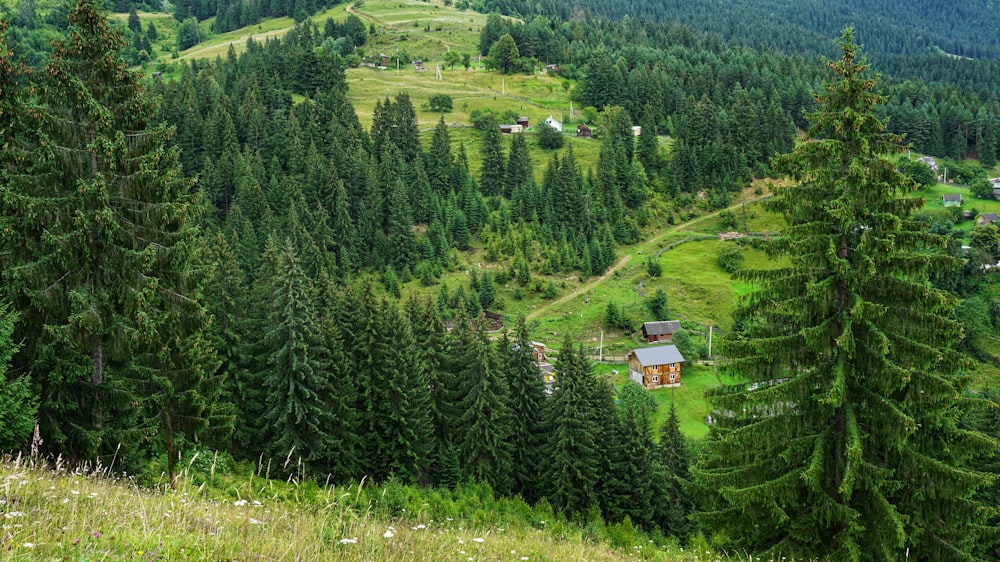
(689,398)
(422,29)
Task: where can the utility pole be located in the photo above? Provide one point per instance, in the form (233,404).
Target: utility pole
(709,341)
(600,350)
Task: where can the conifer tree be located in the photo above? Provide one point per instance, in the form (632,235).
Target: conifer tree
(527,398)
(18,407)
(295,381)
(101,207)
(856,454)
(484,420)
(572,472)
(674,504)
(491,181)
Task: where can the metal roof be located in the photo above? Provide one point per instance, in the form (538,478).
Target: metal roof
(659,355)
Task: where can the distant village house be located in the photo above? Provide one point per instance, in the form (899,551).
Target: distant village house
(522,121)
(930,163)
(584,132)
(987,218)
(418,65)
(636,131)
(660,331)
(951,199)
(551,122)
(511,129)
(655,367)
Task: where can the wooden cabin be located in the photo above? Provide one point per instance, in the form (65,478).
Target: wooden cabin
(951,199)
(584,131)
(655,367)
(511,129)
(653,332)
(522,121)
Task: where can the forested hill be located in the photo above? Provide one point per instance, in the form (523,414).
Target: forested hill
(950,42)
(966,29)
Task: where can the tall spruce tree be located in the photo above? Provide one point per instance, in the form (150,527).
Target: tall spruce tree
(572,472)
(100,207)
(491,181)
(856,455)
(484,417)
(527,399)
(296,379)
(674,504)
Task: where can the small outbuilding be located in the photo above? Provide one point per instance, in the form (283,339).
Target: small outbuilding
(551,122)
(660,331)
(522,121)
(511,129)
(584,132)
(987,218)
(951,199)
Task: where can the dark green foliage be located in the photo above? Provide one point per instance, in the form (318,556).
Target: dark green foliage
(674,505)
(527,399)
(572,469)
(981,188)
(18,406)
(986,419)
(919,172)
(504,55)
(188,34)
(731,259)
(653,267)
(685,345)
(632,396)
(491,181)
(440,103)
(857,454)
(297,371)
(658,305)
(483,426)
(103,217)
(548,137)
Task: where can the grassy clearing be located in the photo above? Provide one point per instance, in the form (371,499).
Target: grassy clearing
(689,398)
(65,514)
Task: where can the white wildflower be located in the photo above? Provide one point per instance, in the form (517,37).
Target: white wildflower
(28,545)
(254,521)
(348,541)
(388,534)
(75,492)
(240,503)
(478,539)
(257,503)
(15,514)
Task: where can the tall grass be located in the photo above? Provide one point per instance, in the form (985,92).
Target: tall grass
(51,511)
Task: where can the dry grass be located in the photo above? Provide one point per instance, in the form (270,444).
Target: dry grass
(56,513)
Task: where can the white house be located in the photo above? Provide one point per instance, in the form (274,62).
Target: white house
(551,121)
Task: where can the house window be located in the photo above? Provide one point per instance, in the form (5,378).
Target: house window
(656,379)
(673,377)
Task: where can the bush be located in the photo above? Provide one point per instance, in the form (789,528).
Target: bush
(549,138)
(731,259)
(440,103)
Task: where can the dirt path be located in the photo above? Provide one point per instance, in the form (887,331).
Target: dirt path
(581,289)
(644,247)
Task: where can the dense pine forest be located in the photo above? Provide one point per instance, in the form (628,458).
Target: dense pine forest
(216,260)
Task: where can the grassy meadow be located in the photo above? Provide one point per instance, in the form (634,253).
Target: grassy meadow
(60,513)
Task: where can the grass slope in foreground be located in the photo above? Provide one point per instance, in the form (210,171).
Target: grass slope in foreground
(50,514)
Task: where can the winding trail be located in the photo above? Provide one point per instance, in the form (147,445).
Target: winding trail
(641,247)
